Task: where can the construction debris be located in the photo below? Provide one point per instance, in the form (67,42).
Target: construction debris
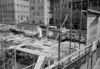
(44,47)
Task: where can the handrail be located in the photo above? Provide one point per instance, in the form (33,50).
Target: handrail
(66,58)
(29,66)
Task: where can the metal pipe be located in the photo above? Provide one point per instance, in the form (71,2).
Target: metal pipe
(70,32)
(59,31)
(80,33)
(15,67)
(54,13)
(87,62)
(80,26)
(91,60)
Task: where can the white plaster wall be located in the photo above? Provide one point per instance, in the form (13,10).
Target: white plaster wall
(21,10)
(47,10)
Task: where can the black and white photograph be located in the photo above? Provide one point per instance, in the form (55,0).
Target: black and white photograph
(49,34)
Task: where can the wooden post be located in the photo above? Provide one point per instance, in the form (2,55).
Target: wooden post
(70,32)
(80,34)
(59,31)
(2,50)
(15,67)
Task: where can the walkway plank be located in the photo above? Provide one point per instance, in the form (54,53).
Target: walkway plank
(40,61)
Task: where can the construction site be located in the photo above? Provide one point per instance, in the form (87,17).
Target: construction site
(64,45)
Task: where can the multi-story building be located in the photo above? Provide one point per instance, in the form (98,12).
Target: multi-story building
(94,4)
(60,8)
(40,11)
(14,11)
(79,4)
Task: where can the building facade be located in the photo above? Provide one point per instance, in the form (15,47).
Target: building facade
(79,4)
(14,11)
(40,11)
(94,4)
(21,10)
(60,8)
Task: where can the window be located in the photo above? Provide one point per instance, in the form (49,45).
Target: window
(41,7)
(34,14)
(40,21)
(27,17)
(33,21)
(38,14)
(32,8)
(56,20)
(17,6)
(21,17)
